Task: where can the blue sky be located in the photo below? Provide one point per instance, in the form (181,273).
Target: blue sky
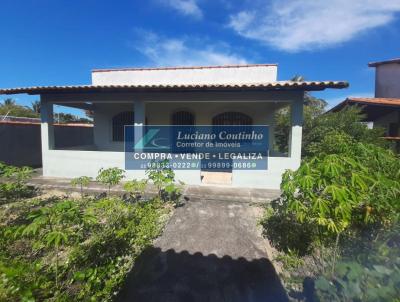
(58,42)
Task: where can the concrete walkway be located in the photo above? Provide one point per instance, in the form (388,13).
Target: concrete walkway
(211,250)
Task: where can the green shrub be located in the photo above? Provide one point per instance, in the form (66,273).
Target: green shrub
(347,121)
(348,188)
(110,177)
(136,188)
(285,232)
(372,274)
(82,182)
(336,191)
(14,181)
(65,250)
(163,177)
(313,107)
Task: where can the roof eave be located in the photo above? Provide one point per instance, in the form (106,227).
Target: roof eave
(360,102)
(302,86)
(379,63)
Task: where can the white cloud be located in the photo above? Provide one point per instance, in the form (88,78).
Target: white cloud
(184,52)
(185,7)
(295,25)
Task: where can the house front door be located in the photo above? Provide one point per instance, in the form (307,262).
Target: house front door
(223,175)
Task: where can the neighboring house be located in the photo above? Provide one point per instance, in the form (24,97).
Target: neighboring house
(211,95)
(384,109)
(387,78)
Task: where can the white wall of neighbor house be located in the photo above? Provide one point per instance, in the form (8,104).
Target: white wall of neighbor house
(387,81)
(73,163)
(186,76)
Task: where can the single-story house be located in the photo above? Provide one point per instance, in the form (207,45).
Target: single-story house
(379,112)
(207,95)
(383,110)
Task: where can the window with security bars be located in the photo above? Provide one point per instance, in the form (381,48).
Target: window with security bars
(118,123)
(232,118)
(182,118)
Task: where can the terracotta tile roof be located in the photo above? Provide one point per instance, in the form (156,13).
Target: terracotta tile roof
(181,67)
(375,101)
(392,61)
(280,85)
(390,102)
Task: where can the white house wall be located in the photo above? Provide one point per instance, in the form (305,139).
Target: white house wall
(160,114)
(70,164)
(186,76)
(387,81)
(260,106)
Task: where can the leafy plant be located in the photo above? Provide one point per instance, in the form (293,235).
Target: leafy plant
(82,181)
(136,188)
(50,223)
(72,250)
(313,107)
(173,193)
(110,177)
(347,121)
(285,232)
(14,186)
(161,175)
(3,168)
(347,188)
(17,283)
(290,259)
(372,275)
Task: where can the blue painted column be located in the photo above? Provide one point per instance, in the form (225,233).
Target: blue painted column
(296,129)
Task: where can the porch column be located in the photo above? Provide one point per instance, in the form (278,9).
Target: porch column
(47,128)
(296,113)
(139,121)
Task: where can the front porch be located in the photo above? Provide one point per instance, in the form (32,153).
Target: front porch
(113,110)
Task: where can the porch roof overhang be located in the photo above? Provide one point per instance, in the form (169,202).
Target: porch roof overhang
(265,86)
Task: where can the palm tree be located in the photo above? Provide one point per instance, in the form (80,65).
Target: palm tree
(8,102)
(297,78)
(36,106)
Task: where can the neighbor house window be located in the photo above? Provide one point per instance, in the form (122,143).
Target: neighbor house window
(118,123)
(183,118)
(393,129)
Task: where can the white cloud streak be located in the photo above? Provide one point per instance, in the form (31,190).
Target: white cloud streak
(162,51)
(296,25)
(186,7)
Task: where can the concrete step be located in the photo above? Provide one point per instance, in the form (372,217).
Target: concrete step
(216,178)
